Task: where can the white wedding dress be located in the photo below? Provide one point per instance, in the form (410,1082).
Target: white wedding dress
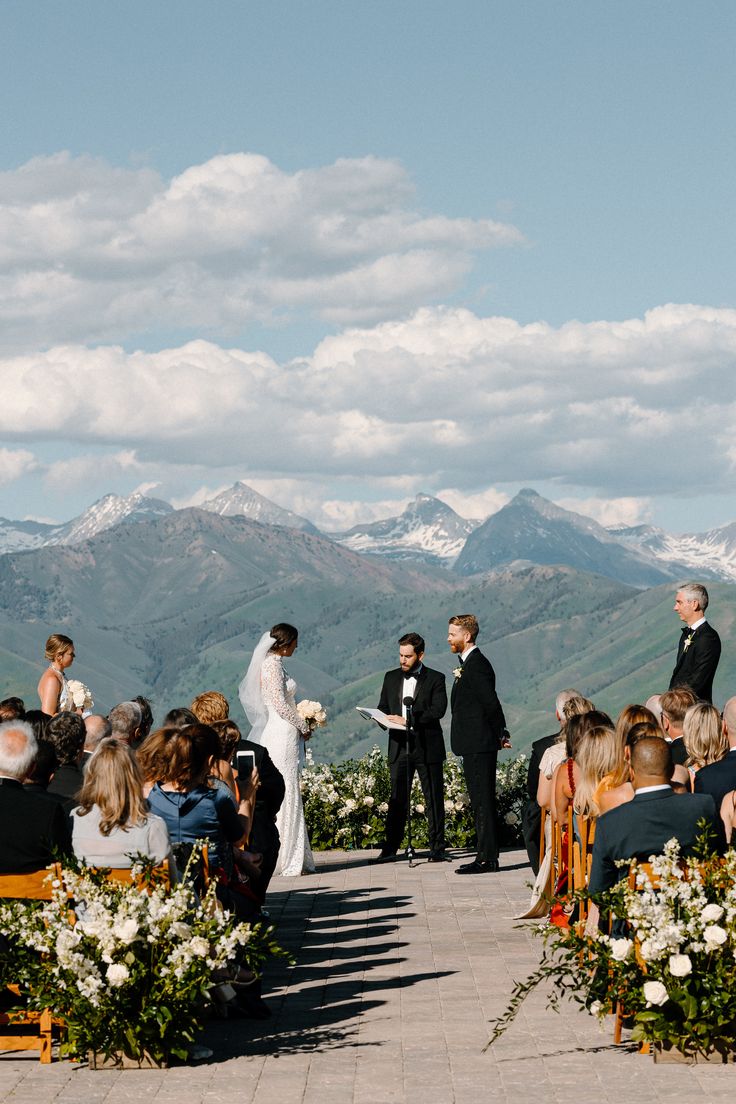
(282,737)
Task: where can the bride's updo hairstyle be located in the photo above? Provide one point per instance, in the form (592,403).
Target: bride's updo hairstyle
(283,635)
(57,644)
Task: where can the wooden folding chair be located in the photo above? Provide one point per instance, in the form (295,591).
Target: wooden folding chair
(583,860)
(159,875)
(35,886)
(634,869)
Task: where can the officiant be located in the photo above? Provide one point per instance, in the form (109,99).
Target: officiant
(423,743)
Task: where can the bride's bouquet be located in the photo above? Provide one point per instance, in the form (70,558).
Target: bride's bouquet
(313,713)
(80,695)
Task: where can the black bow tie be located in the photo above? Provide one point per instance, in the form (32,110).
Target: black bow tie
(411,674)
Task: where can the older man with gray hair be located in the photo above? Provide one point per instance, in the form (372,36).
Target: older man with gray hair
(126,722)
(32,829)
(700,645)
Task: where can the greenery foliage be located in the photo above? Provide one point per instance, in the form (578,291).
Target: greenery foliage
(346,804)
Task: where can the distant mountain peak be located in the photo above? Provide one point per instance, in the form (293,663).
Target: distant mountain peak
(240,500)
(427,529)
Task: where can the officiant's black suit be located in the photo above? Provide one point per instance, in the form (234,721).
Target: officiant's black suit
(426,754)
(477,732)
(696,665)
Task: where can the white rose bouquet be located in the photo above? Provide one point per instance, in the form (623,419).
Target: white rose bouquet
(80,695)
(312,713)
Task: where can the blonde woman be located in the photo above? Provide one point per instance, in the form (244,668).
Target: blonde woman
(705,740)
(53,689)
(112,823)
(603,773)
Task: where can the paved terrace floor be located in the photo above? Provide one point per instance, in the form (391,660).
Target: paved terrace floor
(398,973)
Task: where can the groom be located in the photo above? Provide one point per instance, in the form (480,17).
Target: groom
(478,731)
(425,750)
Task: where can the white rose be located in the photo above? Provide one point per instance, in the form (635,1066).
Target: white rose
(712,913)
(621,949)
(369,801)
(125,930)
(714,936)
(512,818)
(419,809)
(654,992)
(596,1009)
(199,946)
(117,974)
(383,807)
(680,965)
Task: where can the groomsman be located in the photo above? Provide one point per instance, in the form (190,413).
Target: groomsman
(700,645)
(423,745)
(478,731)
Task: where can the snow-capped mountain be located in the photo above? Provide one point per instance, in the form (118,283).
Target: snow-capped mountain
(240,500)
(19,536)
(427,530)
(533,529)
(709,555)
(109,510)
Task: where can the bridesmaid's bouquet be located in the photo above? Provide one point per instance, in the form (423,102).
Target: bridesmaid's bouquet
(80,695)
(312,713)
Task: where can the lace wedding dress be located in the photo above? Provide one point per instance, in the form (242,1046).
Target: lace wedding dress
(282,737)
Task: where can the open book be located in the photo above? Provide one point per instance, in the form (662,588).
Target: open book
(379,717)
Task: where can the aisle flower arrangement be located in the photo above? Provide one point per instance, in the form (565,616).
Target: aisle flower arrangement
(128,969)
(346,803)
(671,961)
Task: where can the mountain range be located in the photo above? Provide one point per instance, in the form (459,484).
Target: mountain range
(529,529)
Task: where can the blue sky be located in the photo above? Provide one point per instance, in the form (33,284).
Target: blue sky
(601,136)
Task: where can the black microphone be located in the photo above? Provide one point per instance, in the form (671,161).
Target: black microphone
(409,702)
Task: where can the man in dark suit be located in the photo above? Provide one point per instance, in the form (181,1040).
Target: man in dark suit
(422,749)
(718,779)
(67,733)
(478,731)
(700,645)
(674,705)
(32,828)
(264,836)
(531,818)
(641,828)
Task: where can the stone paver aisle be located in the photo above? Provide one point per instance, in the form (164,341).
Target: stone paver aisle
(398,972)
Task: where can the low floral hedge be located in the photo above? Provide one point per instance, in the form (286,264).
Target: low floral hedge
(346,804)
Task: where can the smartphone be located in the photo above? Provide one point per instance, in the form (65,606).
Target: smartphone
(245,761)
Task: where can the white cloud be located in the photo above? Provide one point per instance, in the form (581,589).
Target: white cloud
(91,252)
(15,463)
(611,511)
(477,504)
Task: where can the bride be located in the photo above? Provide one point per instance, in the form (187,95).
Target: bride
(267,696)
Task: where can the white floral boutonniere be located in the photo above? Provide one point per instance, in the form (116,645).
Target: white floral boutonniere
(688,641)
(457,672)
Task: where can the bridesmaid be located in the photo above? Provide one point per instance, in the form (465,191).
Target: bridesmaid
(53,689)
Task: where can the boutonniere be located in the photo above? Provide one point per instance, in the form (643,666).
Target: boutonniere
(688,641)
(457,672)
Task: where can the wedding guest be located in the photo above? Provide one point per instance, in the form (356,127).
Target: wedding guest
(567,776)
(559,751)
(228,736)
(531,820)
(178,718)
(32,829)
(675,704)
(700,645)
(12,709)
(718,778)
(97,729)
(67,733)
(39,722)
(704,738)
(112,823)
(603,773)
(53,689)
(41,771)
(632,715)
(643,826)
(210,707)
(125,720)
(146,717)
(153,756)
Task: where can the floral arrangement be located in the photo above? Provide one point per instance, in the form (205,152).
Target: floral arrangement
(672,965)
(80,695)
(132,975)
(313,712)
(346,804)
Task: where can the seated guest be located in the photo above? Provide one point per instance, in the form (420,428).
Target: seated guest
(96,729)
(12,709)
(638,732)
(153,756)
(567,775)
(632,715)
(531,820)
(177,718)
(67,733)
(146,716)
(680,780)
(112,823)
(704,739)
(718,778)
(39,722)
(210,707)
(42,771)
(641,828)
(675,704)
(33,830)
(125,720)
(559,751)
(264,836)
(603,770)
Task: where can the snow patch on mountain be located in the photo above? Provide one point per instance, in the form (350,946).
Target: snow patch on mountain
(240,500)
(427,530)
(710,555)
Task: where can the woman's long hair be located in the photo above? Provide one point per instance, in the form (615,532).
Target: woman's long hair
(601,765)
(190,752)
(113,782)
(702,731)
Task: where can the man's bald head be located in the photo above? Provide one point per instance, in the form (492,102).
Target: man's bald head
(651,762)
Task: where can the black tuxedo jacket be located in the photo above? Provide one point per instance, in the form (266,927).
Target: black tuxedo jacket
(717,779)
(31,828)
(696,664)
(478,722)
(640,828)
(430,706)
(271,790)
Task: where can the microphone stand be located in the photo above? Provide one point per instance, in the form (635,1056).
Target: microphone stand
(409,704)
